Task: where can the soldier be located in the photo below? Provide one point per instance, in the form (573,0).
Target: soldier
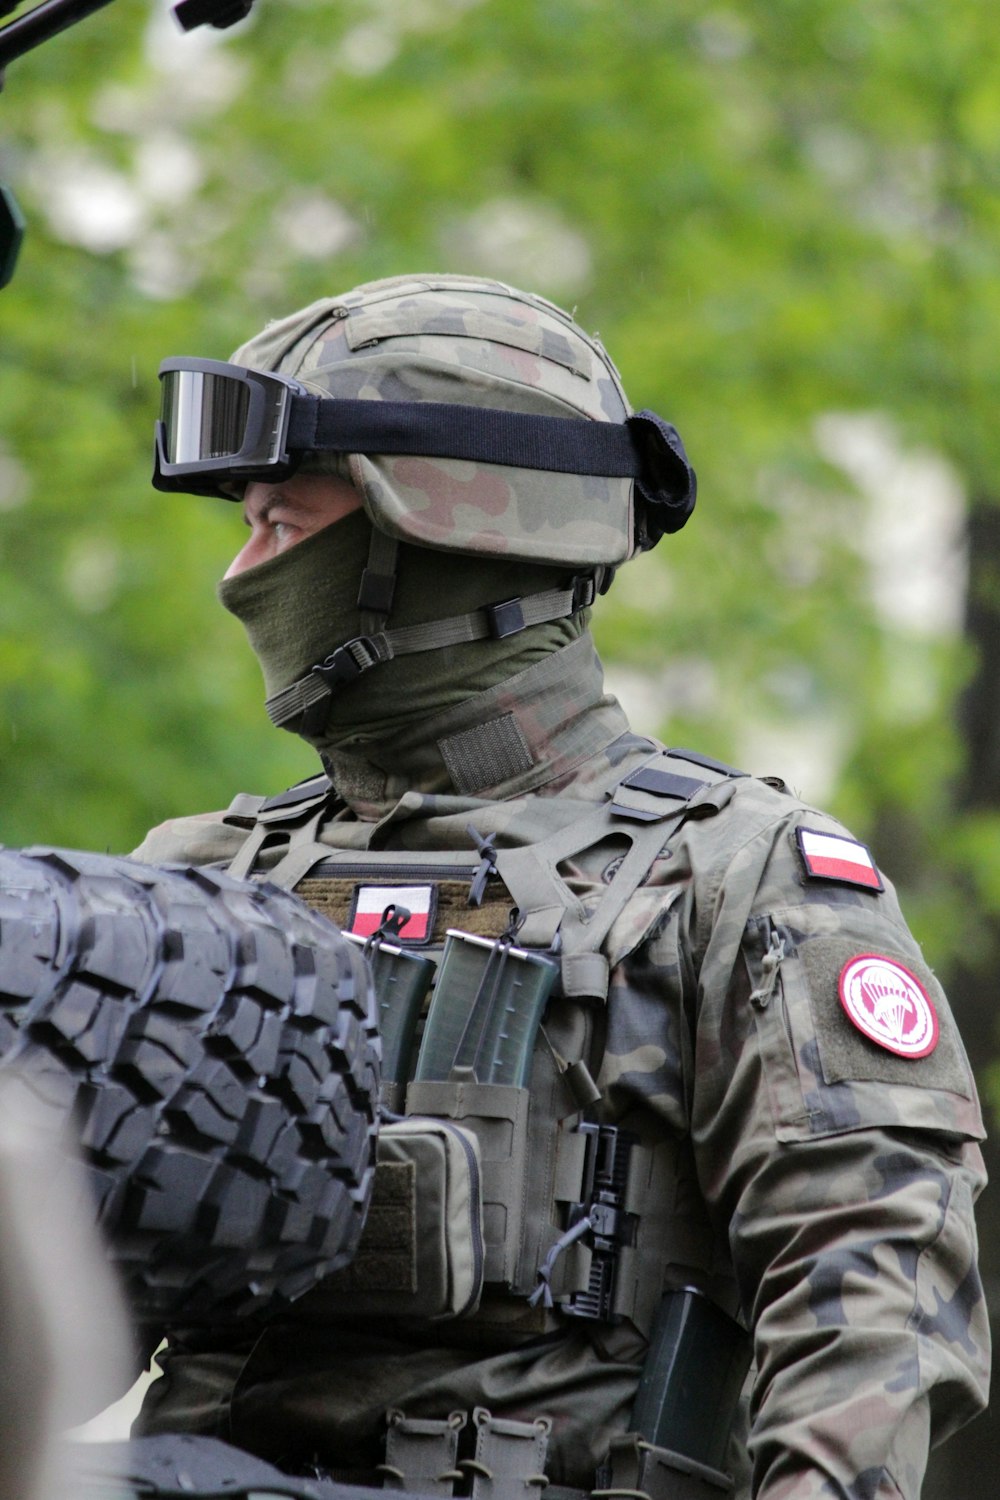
(746,1097)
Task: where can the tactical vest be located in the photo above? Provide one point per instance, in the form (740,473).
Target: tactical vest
(502,1198)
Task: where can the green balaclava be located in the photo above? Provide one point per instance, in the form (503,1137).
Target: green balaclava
(301,604)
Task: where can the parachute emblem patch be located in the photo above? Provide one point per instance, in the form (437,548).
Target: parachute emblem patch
(370,902)
(830,856)
(889,1005)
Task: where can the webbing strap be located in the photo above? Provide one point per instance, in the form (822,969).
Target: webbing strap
(644,447)
(366,651)
(646,818)
(378,581)
(245,858)
(304,854)
(438,429)
(547,906)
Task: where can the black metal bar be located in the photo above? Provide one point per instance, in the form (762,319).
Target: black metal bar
(46,20)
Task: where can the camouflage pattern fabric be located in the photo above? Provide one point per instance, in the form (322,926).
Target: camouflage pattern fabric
(832,1180)
(462,339)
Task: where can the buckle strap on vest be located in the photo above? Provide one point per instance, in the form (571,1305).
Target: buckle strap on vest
(646,806)
(291,821)
(303,851)
(547,907)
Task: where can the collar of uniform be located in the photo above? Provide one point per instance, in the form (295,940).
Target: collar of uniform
(529,730)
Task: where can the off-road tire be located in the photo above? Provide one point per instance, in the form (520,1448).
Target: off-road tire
(212,1045)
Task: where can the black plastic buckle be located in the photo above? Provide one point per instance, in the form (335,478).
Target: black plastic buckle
(584,591)
(311,791)
(611,1227)
(376,591)
(506,618)
(347,662)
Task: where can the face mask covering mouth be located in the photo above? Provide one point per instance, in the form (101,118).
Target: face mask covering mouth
(300,606)
(297,607)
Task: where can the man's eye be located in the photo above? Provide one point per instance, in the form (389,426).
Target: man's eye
(282,530)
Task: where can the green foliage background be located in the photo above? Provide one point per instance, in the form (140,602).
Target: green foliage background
(773,211)
(770,212)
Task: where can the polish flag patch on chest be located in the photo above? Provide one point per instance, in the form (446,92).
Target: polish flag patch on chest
(371,901)
(831,856)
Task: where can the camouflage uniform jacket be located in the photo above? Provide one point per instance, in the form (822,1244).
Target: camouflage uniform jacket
(835,1177)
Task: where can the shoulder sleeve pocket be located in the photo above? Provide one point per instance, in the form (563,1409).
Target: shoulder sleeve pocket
(853,1028)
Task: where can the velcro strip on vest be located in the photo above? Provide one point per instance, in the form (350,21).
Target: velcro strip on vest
(664,783)
(486,756)
(386,1255)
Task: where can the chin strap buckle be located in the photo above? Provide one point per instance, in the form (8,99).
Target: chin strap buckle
(341,667)
(505,618)
(348,661)
(584,587)
(510,616)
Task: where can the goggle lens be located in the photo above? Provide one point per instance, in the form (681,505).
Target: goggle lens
(204,416)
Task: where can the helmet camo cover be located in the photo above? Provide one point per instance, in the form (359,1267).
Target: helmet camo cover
(463,340)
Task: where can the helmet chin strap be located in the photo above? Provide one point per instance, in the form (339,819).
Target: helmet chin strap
(308,698)
(378,581)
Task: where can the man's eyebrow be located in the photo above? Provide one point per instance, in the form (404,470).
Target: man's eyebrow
(262,511)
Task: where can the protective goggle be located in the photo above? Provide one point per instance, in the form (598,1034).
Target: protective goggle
(219,423)
(223,425)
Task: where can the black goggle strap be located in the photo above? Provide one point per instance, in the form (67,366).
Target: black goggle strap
(438,429)
(235,424)
(644,447)
(308,698)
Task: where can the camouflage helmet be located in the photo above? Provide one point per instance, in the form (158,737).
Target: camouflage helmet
(475,342)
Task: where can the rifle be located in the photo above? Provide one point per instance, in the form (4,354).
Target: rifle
(47,20)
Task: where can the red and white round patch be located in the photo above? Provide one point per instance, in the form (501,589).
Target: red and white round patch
(889,1005)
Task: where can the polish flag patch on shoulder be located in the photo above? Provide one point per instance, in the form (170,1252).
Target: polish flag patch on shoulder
(370,901)
(831,856)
